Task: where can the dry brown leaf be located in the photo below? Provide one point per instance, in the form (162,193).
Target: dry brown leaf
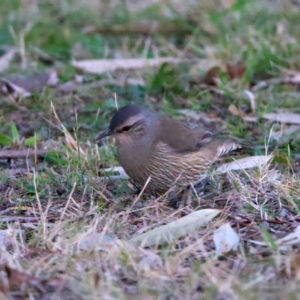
(295,266)
(235,111)
(227,3)
(249,96)
(211,77)
(99,66)
(204,65)
(235,71)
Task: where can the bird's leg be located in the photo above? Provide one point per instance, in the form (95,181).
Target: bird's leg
(178,197)
(138,189)
(202,184)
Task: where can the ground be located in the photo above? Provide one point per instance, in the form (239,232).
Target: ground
(67,229)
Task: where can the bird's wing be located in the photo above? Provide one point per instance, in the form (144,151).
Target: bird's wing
(182,138)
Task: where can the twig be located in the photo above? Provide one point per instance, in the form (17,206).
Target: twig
(144,29)
(18,218)
(7,154)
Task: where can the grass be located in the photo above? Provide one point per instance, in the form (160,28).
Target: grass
(66,231)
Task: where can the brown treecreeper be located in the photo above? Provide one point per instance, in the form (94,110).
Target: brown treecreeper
(168,151)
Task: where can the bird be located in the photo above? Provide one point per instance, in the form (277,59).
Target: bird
(158,152)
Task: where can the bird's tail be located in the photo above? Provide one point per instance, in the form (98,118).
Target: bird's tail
(217,148)
(226,147)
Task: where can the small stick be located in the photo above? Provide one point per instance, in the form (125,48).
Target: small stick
(13,154)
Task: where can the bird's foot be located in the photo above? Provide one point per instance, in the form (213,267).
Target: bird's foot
(201,186)
(178,198)
(181,197)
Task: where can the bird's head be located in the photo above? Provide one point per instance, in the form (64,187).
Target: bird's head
(130,123)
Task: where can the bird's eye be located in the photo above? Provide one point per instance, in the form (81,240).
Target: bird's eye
(126,128)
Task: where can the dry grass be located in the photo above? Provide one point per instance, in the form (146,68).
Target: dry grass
(69,248)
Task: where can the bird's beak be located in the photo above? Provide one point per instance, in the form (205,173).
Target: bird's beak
(103,134)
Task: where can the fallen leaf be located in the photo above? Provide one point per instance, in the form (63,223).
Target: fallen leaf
(195,115)
(213,116)
(283,243)
(287,117)
(235,70)
(167,233)
(25,86)
(211,77)
(290,239)
(249,96)
(149,260)
(99,66)
(225,239)
(292,77)
(6,58)
(235,111)
(96,241)
(285,132)
(204,65)
(227,3)
(244,163)
(250,119)
(294,260)
(118,169)
(7,87)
